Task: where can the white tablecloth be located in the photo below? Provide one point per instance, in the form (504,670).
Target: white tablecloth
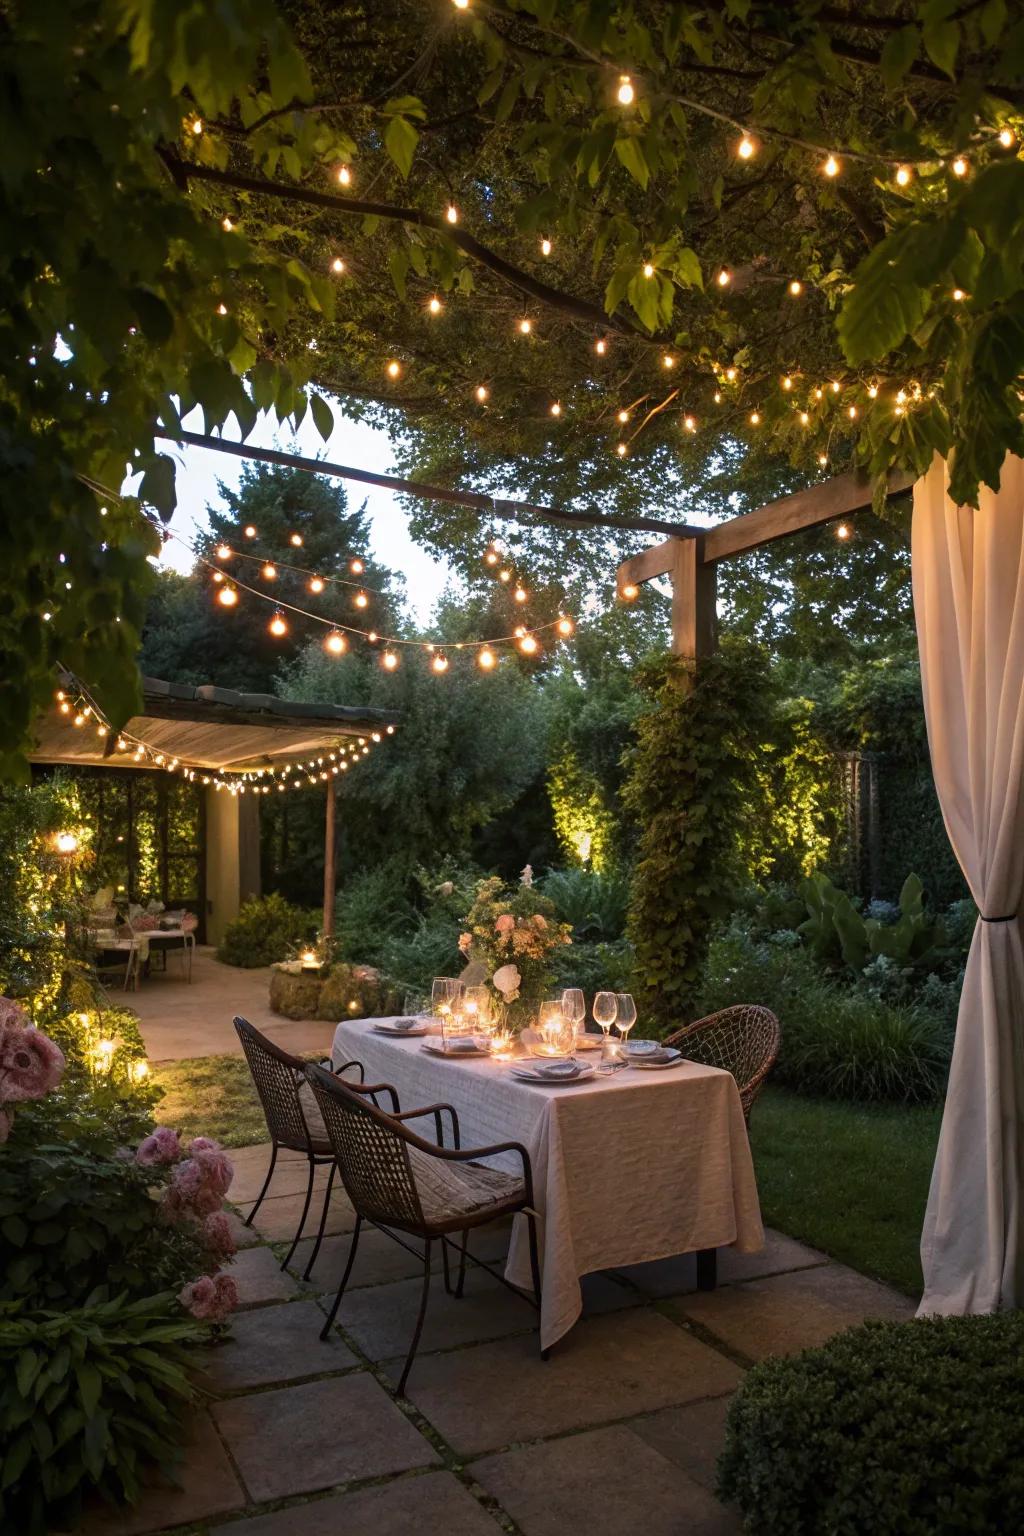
(640,1165)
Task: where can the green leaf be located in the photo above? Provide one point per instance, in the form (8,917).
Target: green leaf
(90,1386)
(323,416)
(632,157)
(398,266)
(687,268)
(900,50)
(891,291)
(400,140)
(941,36)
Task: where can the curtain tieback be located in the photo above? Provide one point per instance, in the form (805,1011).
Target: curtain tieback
(1007,919)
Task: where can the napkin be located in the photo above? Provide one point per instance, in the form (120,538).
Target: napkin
(557,1068)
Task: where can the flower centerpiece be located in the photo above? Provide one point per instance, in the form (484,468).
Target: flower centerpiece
(513,933)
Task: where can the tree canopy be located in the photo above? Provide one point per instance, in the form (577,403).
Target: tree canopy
(499,227)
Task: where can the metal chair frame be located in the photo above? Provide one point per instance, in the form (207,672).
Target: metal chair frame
(277,1077)
(337,1099)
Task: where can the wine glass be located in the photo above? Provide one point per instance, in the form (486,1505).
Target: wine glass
(574,1007)
(605,1008)
(625,1016)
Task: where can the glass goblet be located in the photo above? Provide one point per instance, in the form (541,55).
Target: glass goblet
(605,1008)
(574,1007)
(625,1017)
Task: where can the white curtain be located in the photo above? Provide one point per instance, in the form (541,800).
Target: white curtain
(968,578)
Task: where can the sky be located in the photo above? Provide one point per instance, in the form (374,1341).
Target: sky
(353,443)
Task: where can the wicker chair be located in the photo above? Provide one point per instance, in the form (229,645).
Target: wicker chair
(743,1039)
(293,1121)
(401,1183)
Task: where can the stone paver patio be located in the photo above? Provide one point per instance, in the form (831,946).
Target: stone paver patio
(618,1431)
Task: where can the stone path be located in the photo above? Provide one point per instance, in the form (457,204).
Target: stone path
(617,1432)
(181,1020)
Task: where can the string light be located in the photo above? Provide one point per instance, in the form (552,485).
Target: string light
(361,600)
(223,552)
(823,459)
(903,175)
(796,288)
(843,531)
(197,125)
(852,412)
(834,386)
(505,575)
(565,626)
(545,247)
(831,166)
(520,594)
(335,643)
(600,346)
(491,557)
(787,382)
(435,306)
(337,266)
(278,624)
(269,572)
(528,645)
(746,148)
(482,392)
(226,224)
(648,269)
(389,660)
(440,662)
(356,566)
(804,418)
(623,417)
(394,369)
(249,531)
(227,597)
(625,92)
(668,361)
(461,5)
(344,175)
(525,326)
(717,397)
(555,408)
(316,584)
(222,309)
(630,591)
(296,540)
(723,279)
(1006,137)
(218,576)
(730,374)
(486,658)
(959,166)
(452,214)
(872,391)
(755,419)
(689,423)
(958,294)
(621,449)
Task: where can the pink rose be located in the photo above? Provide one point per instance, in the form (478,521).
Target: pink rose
(465,941)
(30,1063)
(539,921)
(505,924)
(163,1146)
(211,1298)
(219,1237)
(12,1013)
(218,1169)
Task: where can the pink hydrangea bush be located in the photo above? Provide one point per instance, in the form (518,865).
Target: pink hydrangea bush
(161,1148)
(31,1064)
(211,1298)
(199,1178)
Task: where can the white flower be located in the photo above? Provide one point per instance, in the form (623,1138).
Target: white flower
(526,878)
(507,978)
(445,888)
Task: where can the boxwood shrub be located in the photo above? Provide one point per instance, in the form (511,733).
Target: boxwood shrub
(897,1429)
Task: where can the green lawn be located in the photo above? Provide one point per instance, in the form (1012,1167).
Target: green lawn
(848,1178)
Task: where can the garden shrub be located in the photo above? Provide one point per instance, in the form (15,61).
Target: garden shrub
(897,1429)
(594,967)
(265,930)
(594,904)
(88,1398)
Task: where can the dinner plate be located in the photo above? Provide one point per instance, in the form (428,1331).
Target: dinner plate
(457,1053)
(398,1034)
(656,1063)
(525,1075)
(588,1042)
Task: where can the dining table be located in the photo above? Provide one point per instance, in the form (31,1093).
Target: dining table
(629,1166)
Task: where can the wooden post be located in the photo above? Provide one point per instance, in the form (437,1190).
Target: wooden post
(330,818)
(694,616)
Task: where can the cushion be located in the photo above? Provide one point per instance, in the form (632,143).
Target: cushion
(448,1190)
(318,1136)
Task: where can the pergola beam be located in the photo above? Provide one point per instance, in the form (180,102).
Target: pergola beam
(840,497)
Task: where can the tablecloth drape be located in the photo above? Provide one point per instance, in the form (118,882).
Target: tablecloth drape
(968,582)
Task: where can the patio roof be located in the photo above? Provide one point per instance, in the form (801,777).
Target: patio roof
(211,728)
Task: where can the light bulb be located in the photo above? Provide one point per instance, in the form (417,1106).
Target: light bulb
(668,361)
(452,214)
(600,346)
(746,148)
(485,658)
(831,166)
(278,625)
(316,584)
(843,531)
(621,450)
(648,269)
(787,382)
(344,175)
(834,386)
(337,266)
(361,600)
(555,408)
(823,459)
(389,660)
(440,663)
(804,418)
(690,423)
(461,5)
(630,591)
(565,626)
(852,412)
(1006,137)
(435,306)
(222,309)
(269,572)
(249,531)
(730,374)
(625,92)
(903,175)
(296,541)
(482,392)
(545,247)
(796,288)
(491,557)
(394,369)
(372,637)
(218,576)
(226,224)
(356,566)
(197,125)
(505,575)
(223,552)
(959,166)
(227,597)
(717,397)
(872,391)
(520,594)
(528,645)
(723,279)
(335,643)
(819,393)
(958,294)
(623,416)
(525,326)
(755,419)
(66,842)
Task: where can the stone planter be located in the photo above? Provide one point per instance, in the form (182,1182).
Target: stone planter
(342,992)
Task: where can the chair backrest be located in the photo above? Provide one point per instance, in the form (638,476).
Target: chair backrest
(277,1076)
(371,1150)
(743,1039)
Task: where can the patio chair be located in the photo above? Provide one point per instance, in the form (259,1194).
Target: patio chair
(293,1121)
(743,1040)
(400,1183)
